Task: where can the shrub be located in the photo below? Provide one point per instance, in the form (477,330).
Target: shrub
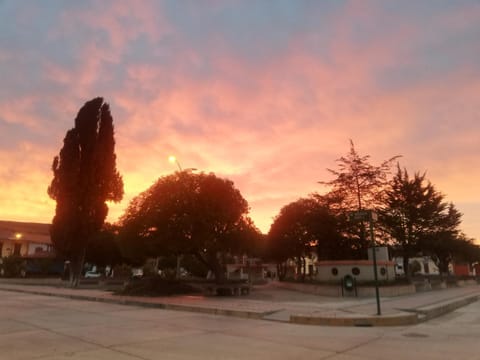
(12,266)
(157,286)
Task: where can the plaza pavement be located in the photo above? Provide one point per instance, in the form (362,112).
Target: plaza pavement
(271,303)
(39,327)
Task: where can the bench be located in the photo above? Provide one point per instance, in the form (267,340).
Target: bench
(226,289)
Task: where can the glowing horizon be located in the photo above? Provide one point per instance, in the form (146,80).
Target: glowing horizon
(267,95)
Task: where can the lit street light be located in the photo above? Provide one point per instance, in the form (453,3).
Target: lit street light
(174,160)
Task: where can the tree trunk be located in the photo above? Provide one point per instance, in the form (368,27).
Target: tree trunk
(406,260)
(76,267)
(281,271)
(304,268)
(298,262)
(219,271)
(443,266)
(214,265)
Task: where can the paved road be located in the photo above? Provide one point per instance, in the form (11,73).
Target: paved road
(41,327)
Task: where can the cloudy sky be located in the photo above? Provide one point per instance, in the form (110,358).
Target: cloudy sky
(266,93)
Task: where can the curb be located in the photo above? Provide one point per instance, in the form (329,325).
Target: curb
(386,320)
(407,317)
(166,306)
(436,310)
(403,318)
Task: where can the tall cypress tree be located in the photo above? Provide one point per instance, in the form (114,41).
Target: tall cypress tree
(84,178)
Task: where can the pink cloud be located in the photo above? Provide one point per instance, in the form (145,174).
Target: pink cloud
(272,125)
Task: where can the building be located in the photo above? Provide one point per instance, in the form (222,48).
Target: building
(25,239)
(361,270)
(251,269)
(420,265)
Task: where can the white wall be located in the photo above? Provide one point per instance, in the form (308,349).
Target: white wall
(326,270)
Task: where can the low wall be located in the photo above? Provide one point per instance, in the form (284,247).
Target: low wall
(324,290)
(336,290)
(386,291)
(361,270)
(468,282)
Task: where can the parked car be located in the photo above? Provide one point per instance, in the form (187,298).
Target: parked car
(92,275)
(137,272)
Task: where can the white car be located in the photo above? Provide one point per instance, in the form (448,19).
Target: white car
(92,275)
(137,272)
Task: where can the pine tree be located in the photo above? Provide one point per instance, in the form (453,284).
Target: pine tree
(418,219)
(358,185)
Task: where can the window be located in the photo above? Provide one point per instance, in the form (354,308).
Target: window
(383,271)
(355,271)
(334,271)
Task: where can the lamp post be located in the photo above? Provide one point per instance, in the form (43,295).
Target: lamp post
(174,160)
(371,216)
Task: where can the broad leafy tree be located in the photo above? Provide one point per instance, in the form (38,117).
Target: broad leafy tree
(85,177)
(187,213)
(304,227)
(104,249)
(290,236)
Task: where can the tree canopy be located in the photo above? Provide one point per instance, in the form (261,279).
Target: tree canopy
(418,218)
(188,213)
(307,226)
(84,178)
(358,184)
(104,249)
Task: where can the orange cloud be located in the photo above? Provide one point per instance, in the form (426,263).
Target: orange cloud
(271,118)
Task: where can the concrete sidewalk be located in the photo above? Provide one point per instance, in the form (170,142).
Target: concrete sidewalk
(273,304)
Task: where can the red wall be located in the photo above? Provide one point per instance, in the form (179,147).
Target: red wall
(461,269)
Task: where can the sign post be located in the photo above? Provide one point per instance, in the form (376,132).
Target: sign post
(371,216)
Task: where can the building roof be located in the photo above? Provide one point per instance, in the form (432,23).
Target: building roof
(33,232)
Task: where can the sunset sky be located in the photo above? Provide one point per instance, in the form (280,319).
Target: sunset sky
(265,93)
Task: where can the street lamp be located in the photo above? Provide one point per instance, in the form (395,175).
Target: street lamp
(371,216)
(174,160)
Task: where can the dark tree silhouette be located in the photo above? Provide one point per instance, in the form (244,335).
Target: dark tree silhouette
(418,219)
(358,184)
(84,178)
(303,227)
(186,213)
(104,248)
